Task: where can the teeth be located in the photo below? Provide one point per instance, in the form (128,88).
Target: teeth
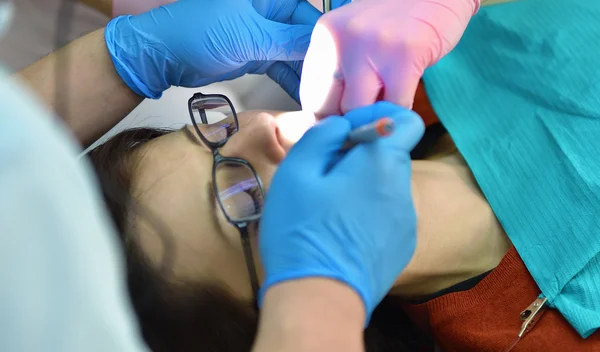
(293,125)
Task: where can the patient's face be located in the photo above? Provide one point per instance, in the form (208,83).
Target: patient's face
(458,235)
(173,179)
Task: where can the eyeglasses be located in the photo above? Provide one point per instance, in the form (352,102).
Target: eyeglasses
(236,185)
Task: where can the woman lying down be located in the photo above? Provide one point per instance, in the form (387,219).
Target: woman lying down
(193,269)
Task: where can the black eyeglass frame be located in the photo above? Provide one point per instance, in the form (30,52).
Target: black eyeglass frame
(240,224)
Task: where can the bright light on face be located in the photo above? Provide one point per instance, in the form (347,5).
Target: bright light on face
(293,125)
(318,71)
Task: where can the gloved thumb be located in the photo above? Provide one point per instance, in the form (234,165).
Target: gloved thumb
(280,41)
(339,3)
(388,152)
(409,126)
(401,87)
(285,74)
(408,130)
(319,148)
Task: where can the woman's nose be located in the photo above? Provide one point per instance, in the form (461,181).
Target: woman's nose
(257,139)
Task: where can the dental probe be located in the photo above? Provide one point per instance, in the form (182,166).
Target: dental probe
(368,133)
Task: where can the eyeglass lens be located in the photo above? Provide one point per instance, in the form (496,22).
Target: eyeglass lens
(238,190)
(214,118)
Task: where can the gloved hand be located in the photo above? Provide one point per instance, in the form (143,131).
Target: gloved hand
(354,221)
(287,73)
(192,43)
(382,47)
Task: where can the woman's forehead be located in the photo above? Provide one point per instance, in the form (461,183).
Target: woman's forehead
(171,181)
(170,163)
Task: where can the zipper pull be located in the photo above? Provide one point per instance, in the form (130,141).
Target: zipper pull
(532,314)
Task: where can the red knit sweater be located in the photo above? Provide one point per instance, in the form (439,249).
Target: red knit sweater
(487,317)
(423,107)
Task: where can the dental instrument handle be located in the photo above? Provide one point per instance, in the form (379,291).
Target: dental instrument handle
(326,6)
(370,132)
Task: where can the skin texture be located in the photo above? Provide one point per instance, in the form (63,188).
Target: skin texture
(458,235)
(104,6)
(288,317)
(88,109)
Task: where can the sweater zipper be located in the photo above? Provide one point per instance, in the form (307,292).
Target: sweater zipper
(530,316)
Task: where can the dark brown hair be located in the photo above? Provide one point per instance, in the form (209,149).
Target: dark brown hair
(200,316)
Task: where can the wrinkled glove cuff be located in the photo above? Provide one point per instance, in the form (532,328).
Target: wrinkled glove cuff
(122,60)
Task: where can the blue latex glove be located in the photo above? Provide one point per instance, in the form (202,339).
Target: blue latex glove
(355,223)
(192,43)
(287,74)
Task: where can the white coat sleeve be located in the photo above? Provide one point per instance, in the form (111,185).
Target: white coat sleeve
(62,277)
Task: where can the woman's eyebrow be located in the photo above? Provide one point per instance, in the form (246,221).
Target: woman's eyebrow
(191,136)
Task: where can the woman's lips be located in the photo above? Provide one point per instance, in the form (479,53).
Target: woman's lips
(292,126)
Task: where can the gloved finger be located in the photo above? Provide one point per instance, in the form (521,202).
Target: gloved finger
(321,84)
(400,87)
(408,128)
(362,85)
(408,125)
(305,13)
(372,113)
(297,67)
(286,77)
(386,152)
(280,41)
(330,99)
(321,91)
(339,3)
(319,147)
